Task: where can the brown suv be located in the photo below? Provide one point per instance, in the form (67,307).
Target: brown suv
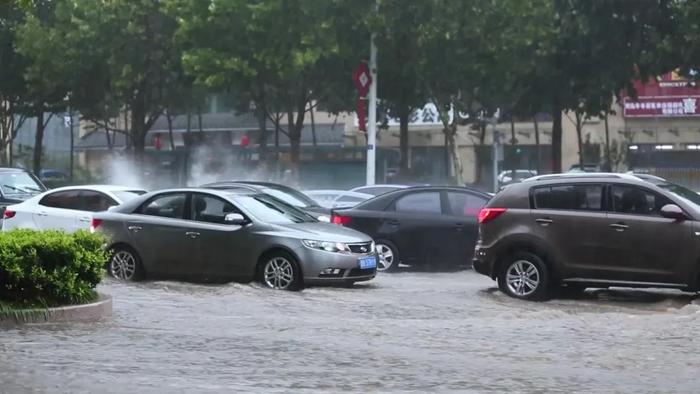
(590,230)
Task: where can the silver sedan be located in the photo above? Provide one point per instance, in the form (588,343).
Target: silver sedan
(204,234)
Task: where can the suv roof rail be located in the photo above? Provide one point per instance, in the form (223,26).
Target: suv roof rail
(596,175)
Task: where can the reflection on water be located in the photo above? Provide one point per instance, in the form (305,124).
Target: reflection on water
(408,331)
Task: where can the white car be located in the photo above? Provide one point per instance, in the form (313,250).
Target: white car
(66,208)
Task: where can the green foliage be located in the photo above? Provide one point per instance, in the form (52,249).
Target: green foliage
(50,268)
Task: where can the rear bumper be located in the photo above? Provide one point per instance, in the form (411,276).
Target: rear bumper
(482,262)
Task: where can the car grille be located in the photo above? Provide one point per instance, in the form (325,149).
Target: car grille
(362,248)
(361,272)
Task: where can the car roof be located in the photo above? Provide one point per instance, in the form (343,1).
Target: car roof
(99,188)
(12,169)
(381,185)
(381,201)
(227,184)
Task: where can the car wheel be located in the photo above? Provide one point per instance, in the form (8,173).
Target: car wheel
(280,271)
(125,264)
(388,256)
(524,276)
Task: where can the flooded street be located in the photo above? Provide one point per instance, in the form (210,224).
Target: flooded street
(402,332)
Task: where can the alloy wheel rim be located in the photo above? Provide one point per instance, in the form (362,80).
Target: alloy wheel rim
(386,257)
(123,265)
(522,278)
(278,273)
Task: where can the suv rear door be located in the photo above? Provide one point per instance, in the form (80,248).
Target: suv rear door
(643,246)
(570,219)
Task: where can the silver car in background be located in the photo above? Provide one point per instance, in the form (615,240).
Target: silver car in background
(206,234)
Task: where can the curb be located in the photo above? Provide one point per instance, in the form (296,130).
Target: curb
(73,313)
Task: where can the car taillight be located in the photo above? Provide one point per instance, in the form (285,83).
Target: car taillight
(488,214)
(9,214)
(340,220)
(94,224)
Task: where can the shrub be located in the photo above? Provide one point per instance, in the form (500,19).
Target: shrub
(50,268)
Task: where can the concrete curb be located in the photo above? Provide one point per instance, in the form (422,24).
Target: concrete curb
(73,313)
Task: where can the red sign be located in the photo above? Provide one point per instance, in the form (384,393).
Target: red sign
(670,95)
(362,78)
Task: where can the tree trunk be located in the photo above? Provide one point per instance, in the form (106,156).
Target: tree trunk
(261,111)
(295,126)
(403,141)
(513,163)
(457,168)
(556,139)
(537,144)
(138,135)
(169,118)
(38,143)
(579,126)
(479,153)
(608,161)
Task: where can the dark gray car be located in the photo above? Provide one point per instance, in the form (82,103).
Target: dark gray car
(215,235)
(596,230)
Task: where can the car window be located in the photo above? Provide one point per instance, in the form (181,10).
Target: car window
(638,201)
(168,206)
(421,202)
(68,199)
(93,201)
(570,197)
(465,204)
(210,209)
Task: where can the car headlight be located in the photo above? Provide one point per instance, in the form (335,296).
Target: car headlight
(327,246)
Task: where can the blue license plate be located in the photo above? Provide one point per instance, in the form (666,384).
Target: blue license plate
(368,262)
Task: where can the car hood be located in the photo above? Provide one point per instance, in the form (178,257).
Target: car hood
(320,232)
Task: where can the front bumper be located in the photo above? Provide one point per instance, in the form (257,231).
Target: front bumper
(313,262)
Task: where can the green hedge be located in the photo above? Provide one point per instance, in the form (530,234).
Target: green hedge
(50,268)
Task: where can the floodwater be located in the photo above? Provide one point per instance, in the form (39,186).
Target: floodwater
(411,331)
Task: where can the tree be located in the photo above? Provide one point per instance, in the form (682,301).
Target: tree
(12,82)
(118,57)
(283,55)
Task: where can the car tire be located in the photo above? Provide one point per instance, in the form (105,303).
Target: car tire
(125,264)
(525,276)
(280,271)
(388,256)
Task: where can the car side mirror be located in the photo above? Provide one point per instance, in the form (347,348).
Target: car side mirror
(235,218)
(673,211)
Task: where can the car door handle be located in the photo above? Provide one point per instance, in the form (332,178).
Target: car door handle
(544,222)
(135,229)
(393,222)
(459,226)
(619,226)
(192,234)
(85,219)
(43,214)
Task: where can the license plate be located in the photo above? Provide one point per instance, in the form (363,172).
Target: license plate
(368,262)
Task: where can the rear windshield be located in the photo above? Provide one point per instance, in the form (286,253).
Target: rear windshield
(126,195)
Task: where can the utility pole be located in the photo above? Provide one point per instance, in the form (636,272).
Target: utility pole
(372,121)
(495,149)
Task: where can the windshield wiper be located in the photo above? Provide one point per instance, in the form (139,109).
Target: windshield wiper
(32,189)
(17,189)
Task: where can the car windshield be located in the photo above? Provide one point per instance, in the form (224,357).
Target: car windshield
(291,197)
(126,195)
(687,195)
(271,210)
(19,183)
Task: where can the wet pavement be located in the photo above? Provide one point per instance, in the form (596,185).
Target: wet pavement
(411,331)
